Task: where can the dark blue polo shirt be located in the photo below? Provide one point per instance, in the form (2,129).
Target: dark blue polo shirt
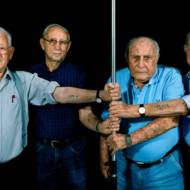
(60,121)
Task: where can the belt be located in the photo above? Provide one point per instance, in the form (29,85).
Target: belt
(56,143)
(148,165)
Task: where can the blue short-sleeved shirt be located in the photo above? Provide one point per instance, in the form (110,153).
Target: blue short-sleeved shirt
(166,84)
(185,120)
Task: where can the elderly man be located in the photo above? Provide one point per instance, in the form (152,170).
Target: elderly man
(17,89)
(149,158)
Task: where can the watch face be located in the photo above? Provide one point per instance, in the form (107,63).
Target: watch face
(142,110)
(98,100)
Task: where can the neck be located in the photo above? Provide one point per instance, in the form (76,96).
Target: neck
(52,66)
(140,84)
(2,73)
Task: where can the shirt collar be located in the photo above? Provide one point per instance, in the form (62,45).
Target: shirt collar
(8,75)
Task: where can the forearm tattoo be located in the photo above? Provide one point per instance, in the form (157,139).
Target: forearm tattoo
(172,108)
(73,97)
(155,128)
(161,107)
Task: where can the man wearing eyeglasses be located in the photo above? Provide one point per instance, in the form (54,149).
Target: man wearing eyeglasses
(17,90)
(59,135)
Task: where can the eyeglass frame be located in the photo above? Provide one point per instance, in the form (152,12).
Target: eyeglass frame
(54,42)
(3,50)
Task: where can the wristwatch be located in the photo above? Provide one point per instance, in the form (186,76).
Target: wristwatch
(98,99)
(142,110)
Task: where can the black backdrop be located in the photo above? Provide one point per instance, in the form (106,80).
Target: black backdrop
(90,26)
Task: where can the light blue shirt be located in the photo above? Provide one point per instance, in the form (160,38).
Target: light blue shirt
(166,84)
(37,91)
(185,120)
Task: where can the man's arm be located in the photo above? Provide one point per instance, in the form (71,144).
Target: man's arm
(153,129)
(91,121)
(77,95)
(161,109)
(104,157)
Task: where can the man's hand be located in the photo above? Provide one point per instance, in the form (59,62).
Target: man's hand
(109,125)
(117,141)
(123,110)
(90,120)
(111,92)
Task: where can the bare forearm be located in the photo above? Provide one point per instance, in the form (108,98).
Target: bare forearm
(155,128)
(92,122)
(104,157)
(74,95)
(88,118)
(168,108)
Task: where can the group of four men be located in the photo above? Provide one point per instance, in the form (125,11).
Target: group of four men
(147,133)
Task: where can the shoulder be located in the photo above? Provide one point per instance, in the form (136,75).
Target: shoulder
(168,70)
(24,75)
(123,71)
(122,75)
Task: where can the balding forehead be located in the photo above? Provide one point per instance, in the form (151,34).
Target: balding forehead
(144,44)
(142,40)
(3,36)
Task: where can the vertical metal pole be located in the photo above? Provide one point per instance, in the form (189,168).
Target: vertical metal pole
(113,41)
(113,74)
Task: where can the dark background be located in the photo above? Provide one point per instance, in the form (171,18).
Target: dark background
(89,24)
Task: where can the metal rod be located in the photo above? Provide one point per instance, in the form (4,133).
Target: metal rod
(113,41)
(113,56)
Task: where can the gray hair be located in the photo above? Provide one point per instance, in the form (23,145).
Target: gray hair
(46,30)
(7,34)
(133,40)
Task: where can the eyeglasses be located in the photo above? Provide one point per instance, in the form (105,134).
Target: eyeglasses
(3,50)
(53,42)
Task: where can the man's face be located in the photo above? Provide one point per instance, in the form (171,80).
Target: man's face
(187,51)
(55,44)
(142,60)
(6,52)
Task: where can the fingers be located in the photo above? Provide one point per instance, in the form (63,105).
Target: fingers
(115,123)
(112,145)
(108,126)
(114,107)
(113,90)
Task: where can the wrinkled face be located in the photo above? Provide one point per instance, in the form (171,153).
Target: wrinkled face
(187,51)
(6,52)
(55,44)
(142,59)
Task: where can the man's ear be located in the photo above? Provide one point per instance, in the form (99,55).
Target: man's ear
(11,52)
(42,43)
(185,48)
(69,46)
